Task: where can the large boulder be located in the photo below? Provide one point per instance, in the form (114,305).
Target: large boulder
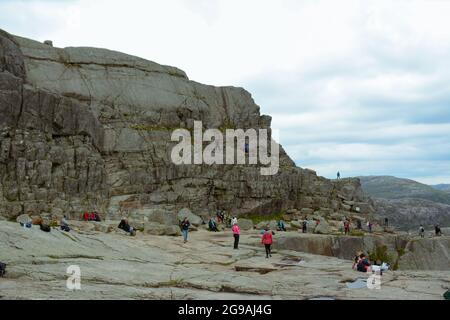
(323,228)
(271,224)
(193,219)
(245,224)
(297,224)
(161,230)
(159,216)
(426,254)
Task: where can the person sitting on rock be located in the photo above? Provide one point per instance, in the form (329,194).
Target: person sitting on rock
(356,260)
(125,226)
(363,264)
(86,216)
(281,226)
(65,225)
(212,225)
(96,217)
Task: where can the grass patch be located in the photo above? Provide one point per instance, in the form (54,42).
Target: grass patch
(144,127)
(382,255)
(257,218)
(357,233)
(171,283)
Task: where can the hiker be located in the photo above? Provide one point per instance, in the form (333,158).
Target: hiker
(212,225)
(305,226)
(386,222)
(219,216)
(2,269)
(125,226)
(267,240)
(438,231)
(236,235)
(281,226)
(96,217)
(247,148)
(185,229)
(347,227)
(64,224)
(338,175)
(369,226)
(359,224)
(356,260)
(86,216)
(363,264)
(422,231)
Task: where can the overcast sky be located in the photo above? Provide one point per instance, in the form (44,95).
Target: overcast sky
(357,86)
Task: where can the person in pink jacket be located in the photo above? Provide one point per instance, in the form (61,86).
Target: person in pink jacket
(267,240)
(236,234)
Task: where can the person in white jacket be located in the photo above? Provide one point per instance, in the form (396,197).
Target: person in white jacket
(234,221)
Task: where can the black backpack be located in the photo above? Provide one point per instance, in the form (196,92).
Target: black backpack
(2,269)
(45,228)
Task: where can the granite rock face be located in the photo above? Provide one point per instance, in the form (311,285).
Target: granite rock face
(86,129)
(117,266)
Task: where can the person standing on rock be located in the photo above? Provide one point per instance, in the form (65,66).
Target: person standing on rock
(339,175)
(305,226)
(369,226)
(438,231)
(267,240)
(236,235)
(347,227)
(185,229)
(422,231)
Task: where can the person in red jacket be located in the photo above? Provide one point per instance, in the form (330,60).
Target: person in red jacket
(236,234)
(267,240)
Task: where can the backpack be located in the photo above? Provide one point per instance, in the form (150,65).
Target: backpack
(2,269)
(447,295)
(45,228)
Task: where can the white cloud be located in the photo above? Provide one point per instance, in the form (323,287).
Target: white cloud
(357,85)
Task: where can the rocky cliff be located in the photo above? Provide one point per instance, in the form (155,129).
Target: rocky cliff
(89,129)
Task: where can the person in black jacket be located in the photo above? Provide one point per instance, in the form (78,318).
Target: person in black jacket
(185,229)
(363,264)
(125,226)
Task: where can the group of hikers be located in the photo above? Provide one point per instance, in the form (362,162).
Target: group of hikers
(266,239)
(91,216)
(362,263)
(38,221)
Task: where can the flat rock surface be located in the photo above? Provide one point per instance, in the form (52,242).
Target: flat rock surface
(116,266)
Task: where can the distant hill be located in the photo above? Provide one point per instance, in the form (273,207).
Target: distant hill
(407,203)
(409,214)
(387,187)
(442,187)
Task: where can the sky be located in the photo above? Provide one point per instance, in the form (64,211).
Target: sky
(360,87)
